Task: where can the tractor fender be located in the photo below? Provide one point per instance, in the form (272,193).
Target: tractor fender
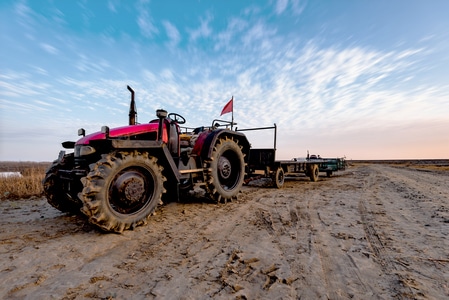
(154,148)
(206,141)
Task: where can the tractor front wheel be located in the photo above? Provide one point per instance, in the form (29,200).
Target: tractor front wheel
(54,187)
(122,190)
(226,170)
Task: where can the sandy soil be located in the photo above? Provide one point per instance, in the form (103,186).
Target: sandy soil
(370,232)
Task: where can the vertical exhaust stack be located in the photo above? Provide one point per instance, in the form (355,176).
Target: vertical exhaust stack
(161,114)
(132,108)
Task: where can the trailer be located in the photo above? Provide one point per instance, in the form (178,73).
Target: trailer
(331,165)
(262,163)
(328,165)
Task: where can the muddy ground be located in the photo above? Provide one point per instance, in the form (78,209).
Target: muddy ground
(373,231)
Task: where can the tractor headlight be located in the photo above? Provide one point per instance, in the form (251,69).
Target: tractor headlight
(83,150)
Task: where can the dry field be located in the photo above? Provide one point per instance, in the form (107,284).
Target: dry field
(29,184)
(374,231)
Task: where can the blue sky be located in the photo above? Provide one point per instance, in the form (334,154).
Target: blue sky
(361,79)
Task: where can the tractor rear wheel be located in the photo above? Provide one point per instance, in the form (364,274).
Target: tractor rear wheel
(122,190)
(53,187)
(226,170)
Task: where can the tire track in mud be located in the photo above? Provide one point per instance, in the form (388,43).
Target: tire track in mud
(279,214)
(211,258)
(198,252)
(299,218)
(250,271)
(384,257)
(249,265)
(342,276)
(370,193)
(423,190)
(400,208)
(332,282)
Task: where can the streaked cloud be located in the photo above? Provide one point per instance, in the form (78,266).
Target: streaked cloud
(317,90)
(225,38)
(172,33)
(259,34)
(49,48)
(281,5)
(145,20)
(204,30)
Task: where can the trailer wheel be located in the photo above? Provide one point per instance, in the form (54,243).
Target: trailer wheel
(314,172)
(122,190)
(53,187)
(226,170)
(278,178)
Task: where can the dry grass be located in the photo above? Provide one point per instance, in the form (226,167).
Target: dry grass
(423,164)
(430,167)
(26,186)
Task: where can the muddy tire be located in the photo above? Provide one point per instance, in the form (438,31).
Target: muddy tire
(314,172)
(226,170)
(53,187)
(122,190)
(278,178)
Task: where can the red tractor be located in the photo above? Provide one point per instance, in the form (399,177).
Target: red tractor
(118,176)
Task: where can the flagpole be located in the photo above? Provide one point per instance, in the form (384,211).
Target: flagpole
(232,124)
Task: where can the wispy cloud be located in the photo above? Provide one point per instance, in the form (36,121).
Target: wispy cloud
(259,34)
(226,38)
(44,103)
(298,6)
(58,17)
(87,63)
(40,70)
(295,7)
(145,20)
(49,48)
(21,85)
(172,33)
(17,107)
(204,30)
(112,5)
(25,16)
(281,5)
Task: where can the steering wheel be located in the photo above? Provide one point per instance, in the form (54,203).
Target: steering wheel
(177,118)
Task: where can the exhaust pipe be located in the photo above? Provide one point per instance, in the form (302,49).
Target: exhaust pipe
(132,108)
(161,114)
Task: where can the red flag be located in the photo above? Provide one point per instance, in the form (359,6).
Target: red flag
(228,107)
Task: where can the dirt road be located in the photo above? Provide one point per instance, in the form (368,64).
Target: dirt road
(370,232)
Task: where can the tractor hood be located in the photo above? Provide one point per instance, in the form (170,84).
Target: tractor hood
(120,132)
